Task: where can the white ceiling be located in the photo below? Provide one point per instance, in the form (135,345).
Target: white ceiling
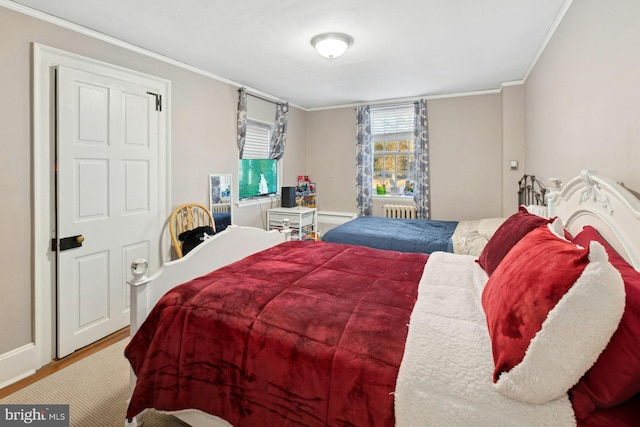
(402,48)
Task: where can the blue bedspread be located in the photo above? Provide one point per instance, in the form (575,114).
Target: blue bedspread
(403,235)
(222,220)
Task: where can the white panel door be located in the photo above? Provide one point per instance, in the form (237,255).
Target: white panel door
(107,201)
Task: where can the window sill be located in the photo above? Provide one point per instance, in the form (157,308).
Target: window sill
(391,198)
(258,201)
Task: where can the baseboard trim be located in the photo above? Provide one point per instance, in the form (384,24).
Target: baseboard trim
(328,217)
(17,364)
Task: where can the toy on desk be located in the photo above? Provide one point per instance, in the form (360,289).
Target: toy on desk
(305,192)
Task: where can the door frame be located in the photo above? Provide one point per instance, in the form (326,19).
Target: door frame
(43,196)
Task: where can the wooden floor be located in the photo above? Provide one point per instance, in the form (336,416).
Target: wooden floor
(58,364)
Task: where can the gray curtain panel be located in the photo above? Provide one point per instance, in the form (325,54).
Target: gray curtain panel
(242,120)
(421,138)
(364,162)
(279,137)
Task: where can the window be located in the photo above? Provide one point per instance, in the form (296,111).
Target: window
(393,149)
(257,174)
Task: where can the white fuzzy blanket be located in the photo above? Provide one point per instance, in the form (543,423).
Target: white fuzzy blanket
(445,375)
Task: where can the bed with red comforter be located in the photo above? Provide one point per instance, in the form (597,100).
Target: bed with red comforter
(540,330)
(304,333)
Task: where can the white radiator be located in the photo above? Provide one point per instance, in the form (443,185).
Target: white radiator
(220,208)
(399,211)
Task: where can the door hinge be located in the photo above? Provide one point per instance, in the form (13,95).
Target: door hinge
(158,100)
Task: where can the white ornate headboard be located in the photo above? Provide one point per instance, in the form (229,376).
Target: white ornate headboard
(613,210)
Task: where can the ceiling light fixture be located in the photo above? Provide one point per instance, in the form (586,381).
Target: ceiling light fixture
(331,45)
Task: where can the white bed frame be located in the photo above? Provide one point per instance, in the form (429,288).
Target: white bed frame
(587,199)
(607,206)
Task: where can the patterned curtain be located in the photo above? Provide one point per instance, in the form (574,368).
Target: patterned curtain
(242,120)
(364,162)
(279,137)
(420,135)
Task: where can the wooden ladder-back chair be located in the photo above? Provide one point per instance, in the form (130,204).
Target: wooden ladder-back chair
(187,217)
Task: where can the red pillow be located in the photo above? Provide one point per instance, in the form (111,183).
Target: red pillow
(625,415)
(615,377)
(551,308)
(507,235)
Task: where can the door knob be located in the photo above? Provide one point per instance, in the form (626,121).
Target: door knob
(80,239)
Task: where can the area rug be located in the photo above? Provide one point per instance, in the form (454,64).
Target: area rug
(96,389)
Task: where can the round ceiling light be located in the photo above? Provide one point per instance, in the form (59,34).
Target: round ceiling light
(331,45)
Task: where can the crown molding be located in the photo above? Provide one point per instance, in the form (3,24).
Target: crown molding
(427,97)
(117,42)
(137,49)
(554,26)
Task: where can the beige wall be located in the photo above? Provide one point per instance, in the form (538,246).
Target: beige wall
(203,141)
(465,151)
(582,109)
(465,145)
(331,158)
(15,183)
(513,145)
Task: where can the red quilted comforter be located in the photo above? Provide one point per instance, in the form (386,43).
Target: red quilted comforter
(304,333)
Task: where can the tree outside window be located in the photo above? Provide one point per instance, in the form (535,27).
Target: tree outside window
(392,166)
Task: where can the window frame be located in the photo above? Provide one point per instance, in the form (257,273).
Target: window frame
(392,125)
(253,150)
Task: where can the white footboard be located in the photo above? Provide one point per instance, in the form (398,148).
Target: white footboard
(226,247)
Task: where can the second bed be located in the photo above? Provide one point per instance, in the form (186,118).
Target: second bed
(416,235)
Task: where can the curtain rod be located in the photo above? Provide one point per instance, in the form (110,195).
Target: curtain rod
(261,97)
(392,105)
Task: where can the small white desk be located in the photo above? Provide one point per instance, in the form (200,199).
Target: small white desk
(303,221)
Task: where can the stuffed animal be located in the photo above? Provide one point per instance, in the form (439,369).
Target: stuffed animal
(192,238)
